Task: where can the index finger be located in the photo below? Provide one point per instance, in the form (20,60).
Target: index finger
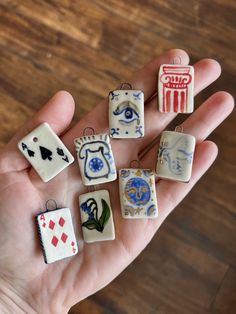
(144,79)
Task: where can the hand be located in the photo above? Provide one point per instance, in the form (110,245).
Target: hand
(27,284)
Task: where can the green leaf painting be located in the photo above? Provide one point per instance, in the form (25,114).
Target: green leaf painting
(90,207)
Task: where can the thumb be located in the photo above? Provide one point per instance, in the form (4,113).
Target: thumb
(58,112)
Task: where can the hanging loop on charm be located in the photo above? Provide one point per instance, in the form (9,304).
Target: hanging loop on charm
(135,164)
(92,188)
(125,83)
(179,128)
(87,129)
(177,60)
(54,203)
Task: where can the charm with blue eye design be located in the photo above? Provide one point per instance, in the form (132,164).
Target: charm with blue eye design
(126,113)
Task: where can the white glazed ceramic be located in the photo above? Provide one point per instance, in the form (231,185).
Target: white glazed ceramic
(96,216)
(137,193)
(126,113)
(56,234)
(45,151)
(175,88)
(95,158)
(175,156)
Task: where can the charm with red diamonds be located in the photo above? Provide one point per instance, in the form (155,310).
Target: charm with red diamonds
(56,234)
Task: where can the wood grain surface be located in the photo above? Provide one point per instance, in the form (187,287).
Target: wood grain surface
(88,48)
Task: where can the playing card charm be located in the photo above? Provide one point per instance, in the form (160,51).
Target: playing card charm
(175,88)
(137,193)
(45,151)
(56,234)
(96,216)
(175,156)
(126,113)
(95,159)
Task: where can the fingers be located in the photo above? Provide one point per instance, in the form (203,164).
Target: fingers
(170,193)
(206,72)
(201,123)
(208,116)
(144,79)
(58,112)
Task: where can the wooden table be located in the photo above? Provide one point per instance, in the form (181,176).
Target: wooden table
(88,48)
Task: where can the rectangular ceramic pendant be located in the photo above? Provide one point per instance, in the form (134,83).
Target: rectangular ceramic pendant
(126,113)
(56,234)
(137,193)
(45,151)
(175,156)
(95,159)
(96,216)
(175,88)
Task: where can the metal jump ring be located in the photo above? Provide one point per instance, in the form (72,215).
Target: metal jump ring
(92,188)
(177,60)
(179,128)
(88,128)
(137,162)
(125,83)
(50,200)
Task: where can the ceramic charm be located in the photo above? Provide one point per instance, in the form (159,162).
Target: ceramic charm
(56,234)
(175,156)
(126,113)
(96,216)
(45,151)
(175,88)
(95,159)
(137,193)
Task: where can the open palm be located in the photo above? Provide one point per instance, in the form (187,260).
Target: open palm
(27,284)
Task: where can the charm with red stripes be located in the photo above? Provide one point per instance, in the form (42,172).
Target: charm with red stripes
(175,88)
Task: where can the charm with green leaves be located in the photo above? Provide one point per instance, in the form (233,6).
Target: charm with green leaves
(90,207)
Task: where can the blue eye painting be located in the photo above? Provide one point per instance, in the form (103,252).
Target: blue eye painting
(127,112)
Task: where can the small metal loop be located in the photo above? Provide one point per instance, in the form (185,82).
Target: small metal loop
(50,200)
(179,128)
(88,128)
(92,188)
(125,83)
(177,60)
(136,162)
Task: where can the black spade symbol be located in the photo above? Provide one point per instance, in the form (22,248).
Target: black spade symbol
(45,153)
(30,153)
(66,159)
(60,152)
